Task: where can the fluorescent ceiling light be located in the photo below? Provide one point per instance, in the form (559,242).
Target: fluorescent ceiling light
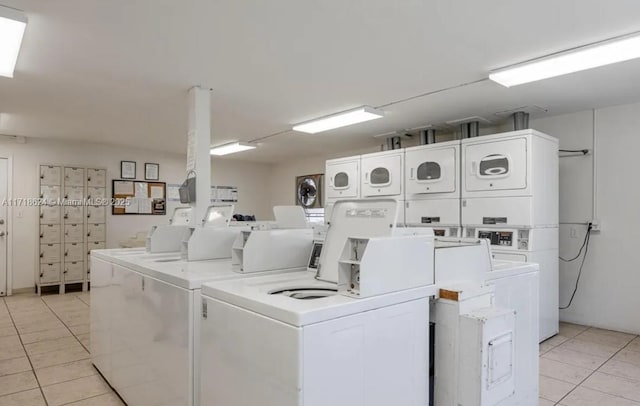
(587,57)
(231,148)
(12,25)
(355,116)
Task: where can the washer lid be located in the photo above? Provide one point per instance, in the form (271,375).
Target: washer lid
(354,218)
(218,216)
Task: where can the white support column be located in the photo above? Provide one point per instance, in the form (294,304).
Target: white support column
(198,157)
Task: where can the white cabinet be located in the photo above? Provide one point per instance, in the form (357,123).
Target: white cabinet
(73,214)
(95,232)
(50,192)
(96,214)
(50,273)
(50,214)
(96,192)
(50,234)
(74,177)
(50,253)
(432,170)
(96,177)
(50,175)
(74,192)
(73,271)
(382,174)
(342,178)
(73,232)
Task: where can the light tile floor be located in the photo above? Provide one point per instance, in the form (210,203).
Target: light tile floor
(44,359)
(44,353)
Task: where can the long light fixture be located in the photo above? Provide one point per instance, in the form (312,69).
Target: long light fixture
(231,148)
(343,119)
(12,25)
(602,53)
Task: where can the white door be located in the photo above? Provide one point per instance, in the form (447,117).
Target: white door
(342,179)
(382,175)
(4,229)
(431,170)
(496,165)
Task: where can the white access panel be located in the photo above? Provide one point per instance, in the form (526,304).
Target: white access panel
(74,192)
(50,273)
(96,192)
(50,175)
(96,214)
(50,214)
(73,251)
(74,176)
(73,214)
(50,234)
(96,232)
(50,253)
(74,232)
(383,174)
(73,271)
(433,213)
(50,192)
(342,178)
(96,178)
(433,171)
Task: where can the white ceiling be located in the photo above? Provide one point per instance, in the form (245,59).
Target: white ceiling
(118,71)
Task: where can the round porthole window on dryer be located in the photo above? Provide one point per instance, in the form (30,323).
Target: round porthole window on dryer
(429,171)
(341,180)
(380,177)
(494,165)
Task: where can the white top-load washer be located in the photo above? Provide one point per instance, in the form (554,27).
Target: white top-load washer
(432,187)
(355,334)
(145,318)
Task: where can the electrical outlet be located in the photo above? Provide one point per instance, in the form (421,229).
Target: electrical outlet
(596,226)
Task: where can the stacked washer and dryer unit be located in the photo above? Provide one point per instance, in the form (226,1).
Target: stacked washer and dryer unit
(502,187)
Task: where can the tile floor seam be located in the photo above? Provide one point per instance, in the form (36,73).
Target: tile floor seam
(594,371)
(33,370)
(611,394)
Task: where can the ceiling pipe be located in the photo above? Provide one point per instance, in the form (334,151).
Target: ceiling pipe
(427,136)
(394,143)
(470,129)
(520,120)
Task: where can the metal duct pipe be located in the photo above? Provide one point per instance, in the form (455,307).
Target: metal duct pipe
(470,130)
(393,143)
(427,136)
(520,120)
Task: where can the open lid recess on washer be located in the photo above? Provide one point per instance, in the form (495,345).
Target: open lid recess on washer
(354,218)
(181,216)
(218,216)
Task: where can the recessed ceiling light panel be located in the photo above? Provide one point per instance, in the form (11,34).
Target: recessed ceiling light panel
(231,148)
(343,119)
(12,25)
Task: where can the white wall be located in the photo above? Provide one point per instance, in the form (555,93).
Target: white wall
(253,181)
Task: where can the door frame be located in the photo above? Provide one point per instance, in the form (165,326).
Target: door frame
(9,158)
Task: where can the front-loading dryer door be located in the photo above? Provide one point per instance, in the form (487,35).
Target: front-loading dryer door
(382,175)
(495,165)
(431,171)
(342,179)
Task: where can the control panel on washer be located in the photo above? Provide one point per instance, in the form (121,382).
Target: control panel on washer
(501,238)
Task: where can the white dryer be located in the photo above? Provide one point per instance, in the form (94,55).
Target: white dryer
(510,178)
(382,176)
(342,181)
(432,187)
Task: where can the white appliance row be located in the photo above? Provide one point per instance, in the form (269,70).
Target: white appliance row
(508,178)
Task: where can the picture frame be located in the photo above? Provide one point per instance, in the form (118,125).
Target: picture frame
(151,171)
(127,170)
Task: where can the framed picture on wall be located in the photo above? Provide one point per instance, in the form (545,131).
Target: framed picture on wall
(151,171)
(127,170)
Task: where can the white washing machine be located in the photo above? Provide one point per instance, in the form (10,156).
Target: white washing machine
(432,187)
(536,245)
(382,176)
(295,340)
(510,178)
